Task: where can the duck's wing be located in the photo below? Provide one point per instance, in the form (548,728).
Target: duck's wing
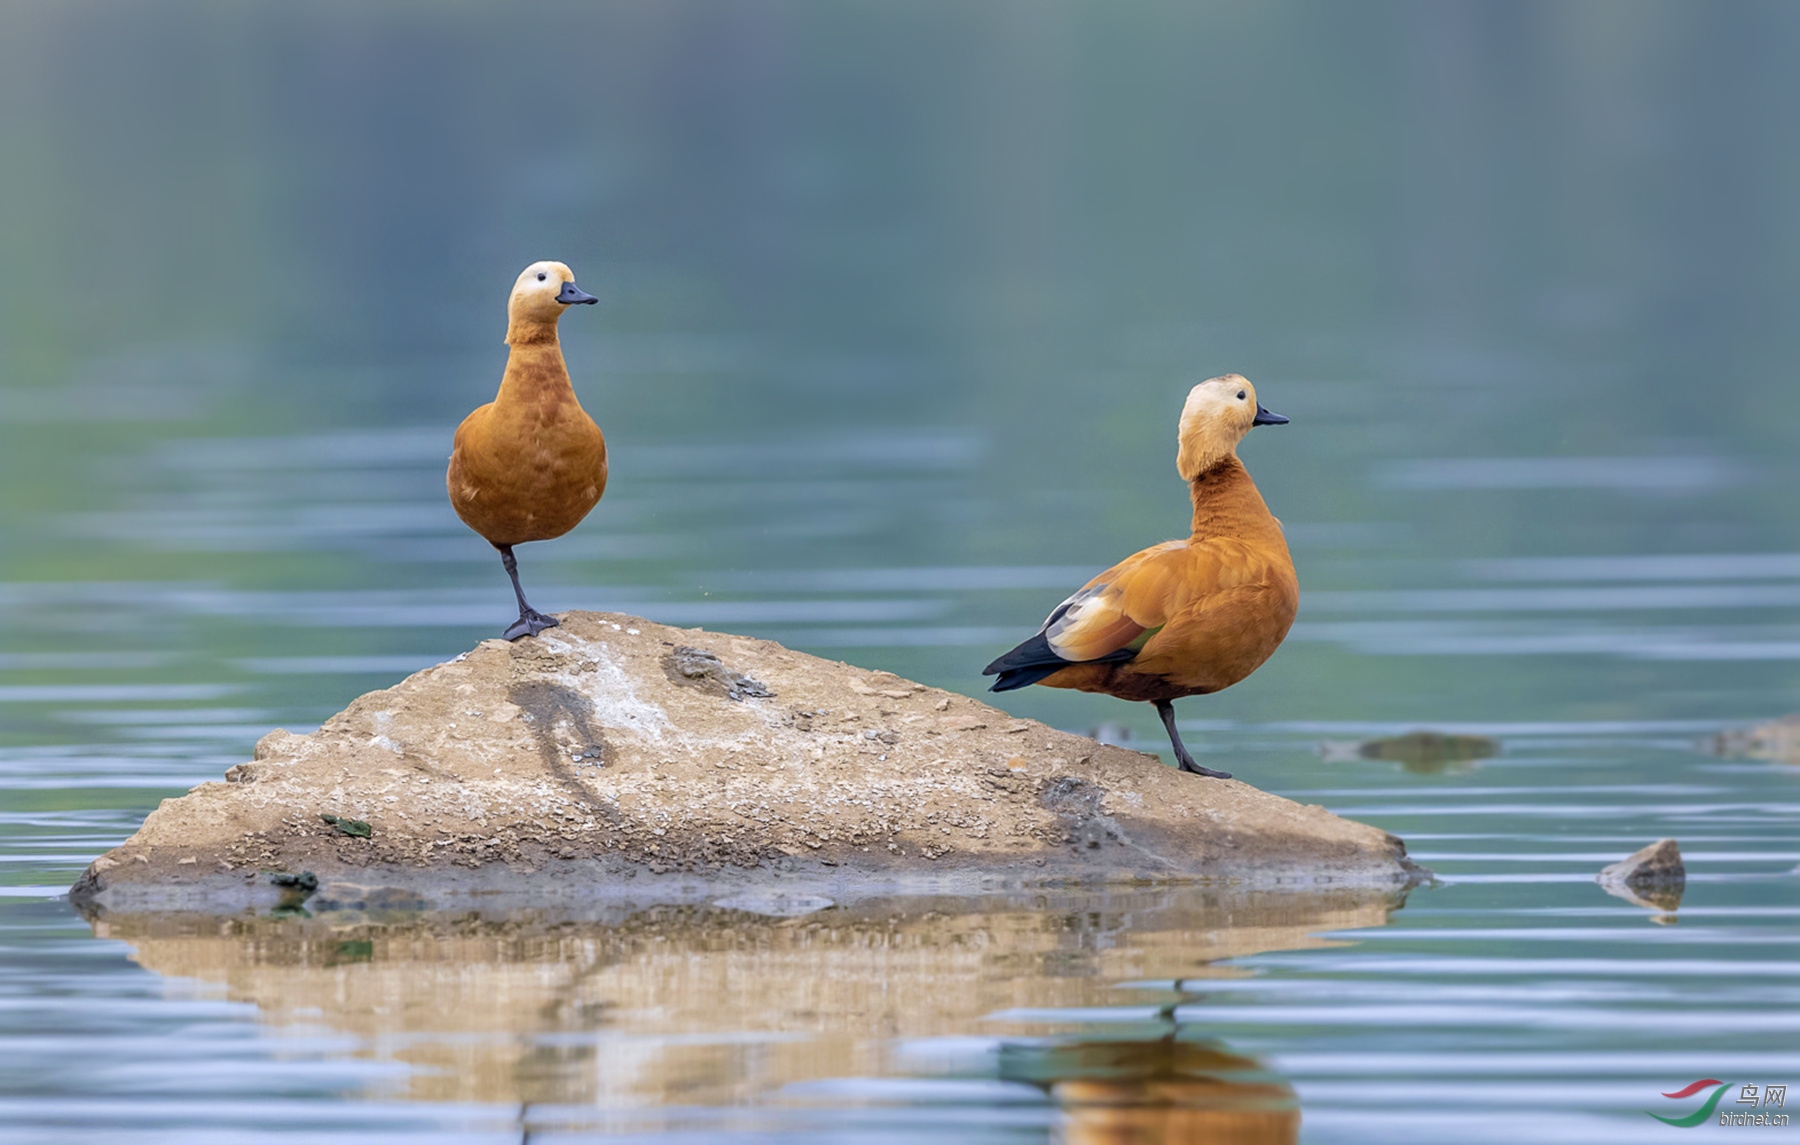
(470,429)
(1108,620)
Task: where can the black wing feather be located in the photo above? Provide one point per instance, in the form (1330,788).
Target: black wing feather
(1035,659)
(1026,664)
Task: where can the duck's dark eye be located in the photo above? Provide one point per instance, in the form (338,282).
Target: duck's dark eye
(1240,392)
(542,276)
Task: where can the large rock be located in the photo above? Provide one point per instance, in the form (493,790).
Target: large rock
(614,756)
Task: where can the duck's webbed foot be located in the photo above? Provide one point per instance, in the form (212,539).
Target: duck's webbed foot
(1166,710)
(1188,765)
(530,623)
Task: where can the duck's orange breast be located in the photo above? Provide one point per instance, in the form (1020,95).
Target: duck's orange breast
(1221,637)
(529,465)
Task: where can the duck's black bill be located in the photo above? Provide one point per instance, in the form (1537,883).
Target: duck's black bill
(1264,417)
(572,295)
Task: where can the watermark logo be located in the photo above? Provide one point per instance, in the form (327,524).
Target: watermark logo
(1759,1097)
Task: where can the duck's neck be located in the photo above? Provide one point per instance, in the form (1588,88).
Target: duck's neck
(529,331)
(535,371)
(1226,503)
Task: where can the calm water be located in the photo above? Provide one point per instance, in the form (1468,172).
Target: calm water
(899,304)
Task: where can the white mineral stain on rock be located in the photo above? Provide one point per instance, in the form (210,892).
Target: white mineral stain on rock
(609,689)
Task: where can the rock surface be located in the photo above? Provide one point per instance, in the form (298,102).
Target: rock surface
(615,756)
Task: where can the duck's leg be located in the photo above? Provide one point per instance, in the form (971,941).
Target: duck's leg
(1166,710)
(531,621)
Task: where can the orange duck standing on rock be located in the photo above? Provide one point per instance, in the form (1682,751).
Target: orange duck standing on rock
(1182,618)
(530,464)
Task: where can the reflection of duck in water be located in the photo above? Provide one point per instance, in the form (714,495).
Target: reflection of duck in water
(530,464)
(1182,618)
(1162,1091)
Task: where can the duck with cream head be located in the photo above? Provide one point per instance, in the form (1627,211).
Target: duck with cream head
(1183,618)
(530,464)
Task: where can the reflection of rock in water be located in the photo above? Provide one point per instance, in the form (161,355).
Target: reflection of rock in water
(1421,752)
(1164,1091)
(1778,740)
(705,1004)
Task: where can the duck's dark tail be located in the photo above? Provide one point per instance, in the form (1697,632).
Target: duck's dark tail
(1034,660)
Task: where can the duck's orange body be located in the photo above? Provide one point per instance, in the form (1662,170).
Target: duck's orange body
(530,464)
(1182,618)
(1204,612)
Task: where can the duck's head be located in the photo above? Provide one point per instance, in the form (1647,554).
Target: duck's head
(541,293)
(1218,413)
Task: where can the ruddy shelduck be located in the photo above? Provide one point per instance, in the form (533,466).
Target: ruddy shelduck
(1183,618)
(530,464)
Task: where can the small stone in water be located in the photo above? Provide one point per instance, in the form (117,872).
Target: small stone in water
(1653,877)
(1426,752)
